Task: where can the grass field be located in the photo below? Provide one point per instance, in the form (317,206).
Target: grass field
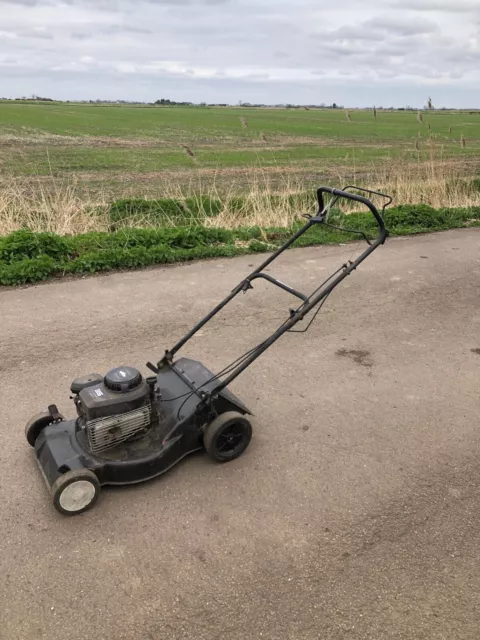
(145,139)
(70,156)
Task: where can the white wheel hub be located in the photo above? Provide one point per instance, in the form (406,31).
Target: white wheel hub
(77,495)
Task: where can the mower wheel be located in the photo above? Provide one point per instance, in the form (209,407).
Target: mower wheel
(75,491)
(227,436)
(36,425)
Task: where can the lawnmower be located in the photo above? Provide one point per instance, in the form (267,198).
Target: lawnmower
(130,428)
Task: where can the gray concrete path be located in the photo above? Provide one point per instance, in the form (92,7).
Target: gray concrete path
(354,514)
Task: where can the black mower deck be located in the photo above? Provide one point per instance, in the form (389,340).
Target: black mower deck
(62,447)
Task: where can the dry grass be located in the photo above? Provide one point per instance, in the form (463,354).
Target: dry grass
(58,207)
(188,151)
(437,183)
(65,207)
(43,139)
(264,205)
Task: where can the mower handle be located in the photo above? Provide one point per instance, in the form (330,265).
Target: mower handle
(309,302)
(351,196)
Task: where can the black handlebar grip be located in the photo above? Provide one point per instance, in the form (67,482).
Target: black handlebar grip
(351,196)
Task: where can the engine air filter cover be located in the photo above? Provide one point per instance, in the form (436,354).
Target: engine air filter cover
(84,382)
(123,379)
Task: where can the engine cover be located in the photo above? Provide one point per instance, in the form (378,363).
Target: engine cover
(98,401)
(123,379)
(114,409)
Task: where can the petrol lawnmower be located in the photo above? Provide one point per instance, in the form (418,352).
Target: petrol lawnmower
(130,429)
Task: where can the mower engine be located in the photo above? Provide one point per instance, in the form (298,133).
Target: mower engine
(113,409)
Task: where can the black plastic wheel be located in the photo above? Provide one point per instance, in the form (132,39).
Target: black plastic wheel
(75,492)
(36,425)
(227,437)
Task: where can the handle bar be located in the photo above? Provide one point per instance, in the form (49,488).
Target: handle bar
(352,196)
(309,302)
(375,193)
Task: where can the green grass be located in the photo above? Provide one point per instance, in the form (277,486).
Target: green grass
(175,122)
(59,160)
(27,257)
(41,139)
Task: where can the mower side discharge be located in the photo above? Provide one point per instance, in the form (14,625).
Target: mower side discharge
(130,429)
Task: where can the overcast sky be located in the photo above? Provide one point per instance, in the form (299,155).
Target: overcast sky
(353,52)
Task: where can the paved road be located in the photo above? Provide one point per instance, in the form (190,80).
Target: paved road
(355,512)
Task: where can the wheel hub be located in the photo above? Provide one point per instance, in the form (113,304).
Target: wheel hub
(77,495)
(231,438)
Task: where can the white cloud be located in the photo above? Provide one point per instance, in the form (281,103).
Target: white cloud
(401,25)
(447,6)
(256,50)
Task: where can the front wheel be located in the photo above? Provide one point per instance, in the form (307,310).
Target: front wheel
(75,491)
(227,436)
(36,425)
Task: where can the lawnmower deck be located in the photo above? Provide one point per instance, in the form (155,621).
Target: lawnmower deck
(63,447)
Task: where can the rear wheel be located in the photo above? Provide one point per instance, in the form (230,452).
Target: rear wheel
(75,491)
(227,437)
(36,425)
